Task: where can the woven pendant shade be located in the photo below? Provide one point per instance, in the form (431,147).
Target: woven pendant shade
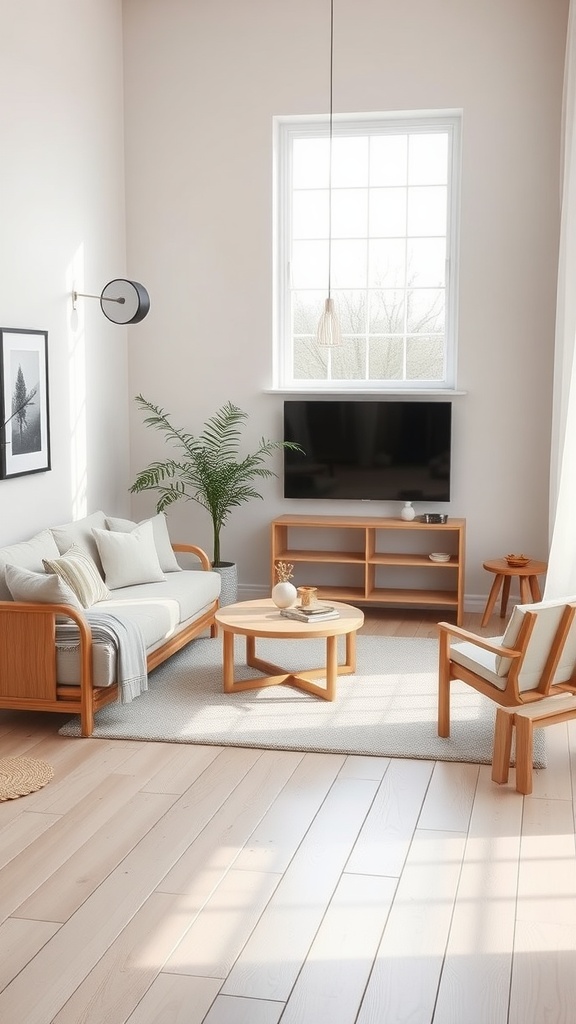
(328,333)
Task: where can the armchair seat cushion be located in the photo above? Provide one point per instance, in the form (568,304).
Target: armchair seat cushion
(479,661)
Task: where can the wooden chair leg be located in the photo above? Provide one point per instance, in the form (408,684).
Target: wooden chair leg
(502,745)
(524,744)
(444,686)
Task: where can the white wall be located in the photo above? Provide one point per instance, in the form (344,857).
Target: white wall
(203,81)
(62,219)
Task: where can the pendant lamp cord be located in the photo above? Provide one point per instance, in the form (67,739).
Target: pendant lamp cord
(330,148)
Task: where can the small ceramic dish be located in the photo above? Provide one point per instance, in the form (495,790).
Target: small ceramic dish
(439,556)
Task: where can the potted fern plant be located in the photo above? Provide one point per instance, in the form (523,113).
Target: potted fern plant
(209,470)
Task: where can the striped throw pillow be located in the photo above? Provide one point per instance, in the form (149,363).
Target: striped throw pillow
(78,570)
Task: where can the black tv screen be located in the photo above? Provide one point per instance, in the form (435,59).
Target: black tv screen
(368,450)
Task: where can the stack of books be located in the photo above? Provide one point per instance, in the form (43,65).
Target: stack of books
(318,613)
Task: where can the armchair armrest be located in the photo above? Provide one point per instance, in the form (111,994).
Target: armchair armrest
(193,549)
(463,634)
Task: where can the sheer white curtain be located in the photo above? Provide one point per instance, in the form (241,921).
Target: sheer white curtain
(561,577)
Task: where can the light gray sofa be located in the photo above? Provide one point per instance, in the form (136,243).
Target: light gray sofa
(68,574)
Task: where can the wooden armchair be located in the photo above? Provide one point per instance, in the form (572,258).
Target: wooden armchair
(533,661)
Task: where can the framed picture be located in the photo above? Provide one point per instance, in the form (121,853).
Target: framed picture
(24,422)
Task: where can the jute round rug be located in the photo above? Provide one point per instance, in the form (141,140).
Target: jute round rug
(22,775)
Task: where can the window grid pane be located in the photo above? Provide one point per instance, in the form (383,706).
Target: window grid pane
(388,255)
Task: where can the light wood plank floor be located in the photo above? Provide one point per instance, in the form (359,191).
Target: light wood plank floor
(153,883)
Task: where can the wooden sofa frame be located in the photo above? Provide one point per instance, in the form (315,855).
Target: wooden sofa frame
(28,656)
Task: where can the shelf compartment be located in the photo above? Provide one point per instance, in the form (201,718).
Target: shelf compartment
(398,595)
(409,559)
(352,595)
(305,555)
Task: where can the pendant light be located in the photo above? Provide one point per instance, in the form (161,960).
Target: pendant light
(328,332)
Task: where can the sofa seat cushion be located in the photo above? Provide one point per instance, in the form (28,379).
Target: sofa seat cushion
(103,664)
(160,609)
(27,554)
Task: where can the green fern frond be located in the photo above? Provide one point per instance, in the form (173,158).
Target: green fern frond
(212,473)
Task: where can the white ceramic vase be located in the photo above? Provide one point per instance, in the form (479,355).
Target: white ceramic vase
(284,594)
(407,513)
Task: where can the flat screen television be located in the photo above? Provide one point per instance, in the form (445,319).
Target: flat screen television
(368,450)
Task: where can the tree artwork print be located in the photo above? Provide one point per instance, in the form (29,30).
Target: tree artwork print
(24,421)
(26,434)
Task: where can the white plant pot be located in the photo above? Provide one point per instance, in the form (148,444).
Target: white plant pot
(228,572)
(284,594)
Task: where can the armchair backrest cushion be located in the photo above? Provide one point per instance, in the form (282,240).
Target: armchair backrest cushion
(549,615)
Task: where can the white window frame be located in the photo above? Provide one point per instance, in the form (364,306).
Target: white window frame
(286,130)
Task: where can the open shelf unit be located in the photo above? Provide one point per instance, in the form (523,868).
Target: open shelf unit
(377,560)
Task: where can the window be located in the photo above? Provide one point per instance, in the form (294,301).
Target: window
(388,201)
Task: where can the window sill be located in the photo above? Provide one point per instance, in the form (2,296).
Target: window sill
(360,392)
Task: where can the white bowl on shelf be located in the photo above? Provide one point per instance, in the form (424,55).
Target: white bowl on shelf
(439,556)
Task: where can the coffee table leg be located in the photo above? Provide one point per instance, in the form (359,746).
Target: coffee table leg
(350,652)
(250,650)
(331,666)
(228,661)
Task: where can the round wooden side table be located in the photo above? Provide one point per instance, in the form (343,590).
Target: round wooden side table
(527,578)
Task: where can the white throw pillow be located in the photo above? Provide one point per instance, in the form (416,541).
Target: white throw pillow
(25,585)
(78,570)
(166,555)
(26,555)
(79,534)
(129,558)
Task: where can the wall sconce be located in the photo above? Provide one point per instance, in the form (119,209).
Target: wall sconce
(122,301)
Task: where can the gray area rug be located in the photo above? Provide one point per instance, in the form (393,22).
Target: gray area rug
(388,707)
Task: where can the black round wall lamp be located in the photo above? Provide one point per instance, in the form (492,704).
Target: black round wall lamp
(122,301)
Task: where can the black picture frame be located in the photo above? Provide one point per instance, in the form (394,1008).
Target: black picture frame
(24,404)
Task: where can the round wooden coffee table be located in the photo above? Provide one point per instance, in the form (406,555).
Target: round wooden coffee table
(254,619)
(527,578)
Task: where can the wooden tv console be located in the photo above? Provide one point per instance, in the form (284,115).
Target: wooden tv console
(379,561)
